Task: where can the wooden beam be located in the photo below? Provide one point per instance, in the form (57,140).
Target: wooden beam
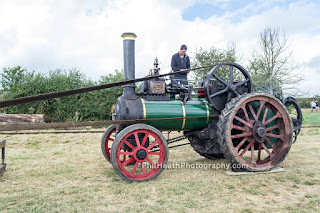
(21,118)
(2,144)
(2,169)
(15,127)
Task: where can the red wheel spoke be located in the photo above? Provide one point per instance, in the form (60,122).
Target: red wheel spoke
(110,139)
(258,132)
(275,136)
(247,147)
(137,139)
(154,153)
(238,128)
(272,128)
(246,113)
(126,162)
(135,168)
(272,118)
(269,142)
(266,109)
(145,139)
(243,121)
(260,108)
(128,144)
(152,145)
(252,112)
(266,149)
(246,134)
(259,153)
(241,143)
(135,161)
(143,168)
(126,153)
(151,162)
(252,153)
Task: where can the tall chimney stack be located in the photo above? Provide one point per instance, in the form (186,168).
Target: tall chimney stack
(129,65)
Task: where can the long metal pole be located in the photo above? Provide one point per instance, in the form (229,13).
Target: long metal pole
(52,95)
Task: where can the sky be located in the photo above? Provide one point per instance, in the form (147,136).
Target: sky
(43,35)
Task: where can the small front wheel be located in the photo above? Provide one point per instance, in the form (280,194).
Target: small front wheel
(147,146)
(107,140)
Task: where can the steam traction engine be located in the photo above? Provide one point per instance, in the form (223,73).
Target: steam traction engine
(225,119)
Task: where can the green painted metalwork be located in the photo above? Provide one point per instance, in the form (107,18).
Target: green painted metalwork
(176,108)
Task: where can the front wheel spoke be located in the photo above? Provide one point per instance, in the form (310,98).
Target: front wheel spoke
(151,162)
(247,147)
(152,145)
(275,136)
(154,153)
(269,142)
(126,162)
(129,144)
(143,168)
(252,112)
(272,118)
(246,134)
(110,139)
(137,139)
(144,139)
(126,153)
(135,168)
(244,122)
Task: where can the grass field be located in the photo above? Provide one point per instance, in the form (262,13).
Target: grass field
(67,173)
(311,118)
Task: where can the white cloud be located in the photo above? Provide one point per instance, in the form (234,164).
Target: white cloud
(44,35)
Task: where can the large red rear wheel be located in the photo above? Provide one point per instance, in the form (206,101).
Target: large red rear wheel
(255,132)
(139,139)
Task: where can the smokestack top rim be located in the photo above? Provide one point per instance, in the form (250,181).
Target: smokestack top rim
(128,36)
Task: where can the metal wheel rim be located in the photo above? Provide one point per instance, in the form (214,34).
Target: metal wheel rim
(156,166)
(247,136)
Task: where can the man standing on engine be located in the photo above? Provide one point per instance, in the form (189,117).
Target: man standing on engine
(180,61)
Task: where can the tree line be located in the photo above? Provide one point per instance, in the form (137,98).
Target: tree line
(271,66)
(18,82)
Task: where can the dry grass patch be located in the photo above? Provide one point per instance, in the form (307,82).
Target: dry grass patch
(67,173)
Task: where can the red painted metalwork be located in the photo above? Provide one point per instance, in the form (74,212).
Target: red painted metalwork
(199,94)
(141,155)
(253,131)
(109,141)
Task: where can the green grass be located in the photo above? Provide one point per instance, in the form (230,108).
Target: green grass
(310,118)
(68,173)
